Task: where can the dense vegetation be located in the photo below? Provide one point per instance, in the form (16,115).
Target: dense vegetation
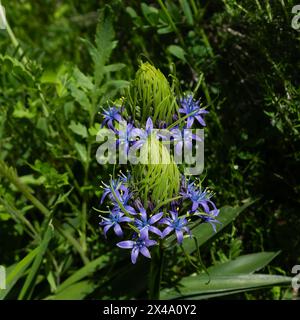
(61,61)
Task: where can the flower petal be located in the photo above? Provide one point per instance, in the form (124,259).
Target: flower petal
(118,231)
(128,244)
(130,209)
(205,206)
(106,228)
(195,205)
(155,218)
(155,230)
(105,193)
(165,221)
(174,215)
(134,255)
(125,219)
(145,252)
(190,122)
(149,124)
(200,120)
(179,236)
(144,233)
(167,231)
(150,243)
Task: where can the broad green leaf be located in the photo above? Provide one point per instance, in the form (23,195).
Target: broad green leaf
(177,51)
(200,285)
(82,80)
(93,131)
(15,272)
(79,129)
(165,30)
(244,264)
(80,96)
(204,231)
(82,152)
(77,291)
(29,282)
(84,272)
(131,12)
(150,13)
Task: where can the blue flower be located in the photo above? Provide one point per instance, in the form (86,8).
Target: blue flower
(110,115)
(183,137)
(193,109)
(179,225)
(116,186)
(198,197)
(138,246)
(114,219)
(210,217)
(123,198)
(142,134)
(145,225)
(125,179)
(125,135)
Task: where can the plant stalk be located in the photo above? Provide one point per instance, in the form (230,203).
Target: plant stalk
(156,271)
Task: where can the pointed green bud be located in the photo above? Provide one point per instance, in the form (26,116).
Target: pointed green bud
(153,95)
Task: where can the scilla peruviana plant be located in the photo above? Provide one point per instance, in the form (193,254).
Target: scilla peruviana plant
(154,200)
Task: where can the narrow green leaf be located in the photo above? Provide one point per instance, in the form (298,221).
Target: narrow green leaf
(187,11)
(29,283)
(15,272)
(84,272)
(114,67)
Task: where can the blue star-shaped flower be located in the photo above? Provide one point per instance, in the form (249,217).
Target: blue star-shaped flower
(179,225)
(192,108)
(138,246)
(114,219)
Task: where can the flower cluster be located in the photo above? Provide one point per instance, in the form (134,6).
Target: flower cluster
(131,135)
(147,226)
(144,223)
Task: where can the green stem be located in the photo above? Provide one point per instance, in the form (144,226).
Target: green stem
(12,176)
(15,41)
(173,25)
(156,271)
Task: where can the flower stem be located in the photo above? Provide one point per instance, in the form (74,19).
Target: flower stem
(156,271)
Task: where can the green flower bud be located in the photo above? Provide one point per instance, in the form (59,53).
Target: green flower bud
(152,95)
